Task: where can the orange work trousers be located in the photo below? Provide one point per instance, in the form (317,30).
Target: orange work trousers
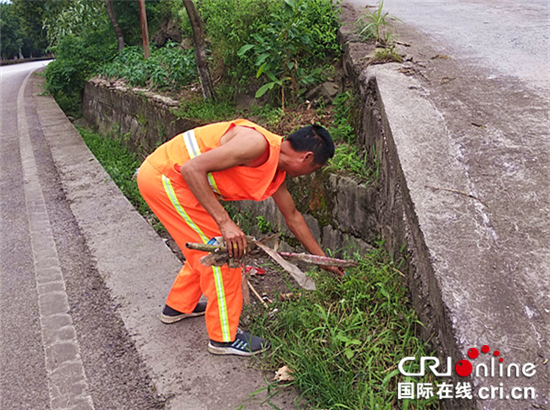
(187,221)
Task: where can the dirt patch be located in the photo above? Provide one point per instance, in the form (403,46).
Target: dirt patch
(270,285)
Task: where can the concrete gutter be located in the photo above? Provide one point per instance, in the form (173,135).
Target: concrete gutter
(139,269)
(467,159)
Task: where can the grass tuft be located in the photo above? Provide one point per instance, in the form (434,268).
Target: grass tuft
(343,341)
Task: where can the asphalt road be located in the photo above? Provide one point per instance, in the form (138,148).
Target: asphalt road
(504,37)
(62,342)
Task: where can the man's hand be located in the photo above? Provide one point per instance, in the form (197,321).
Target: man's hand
(235,239)
(334,269)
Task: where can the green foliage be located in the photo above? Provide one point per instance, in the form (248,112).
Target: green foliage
(348,159)
(387,55)
(72,18)
(263,224)
(242,218)
(283,50)
(167,67)
(21,29)
(77,58)
(267,114)
(375,22)
(127,15)
(10,31)
(343,341)
(229,25)
(341,129)
(207,110)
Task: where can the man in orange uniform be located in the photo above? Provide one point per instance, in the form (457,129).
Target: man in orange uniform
(183,181)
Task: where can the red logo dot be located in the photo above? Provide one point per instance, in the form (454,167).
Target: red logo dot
(496,353)
(501,360)
(485,349)
(463,368)
(473,353)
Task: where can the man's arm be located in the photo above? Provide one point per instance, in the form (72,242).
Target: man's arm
(245,146)
(297,224)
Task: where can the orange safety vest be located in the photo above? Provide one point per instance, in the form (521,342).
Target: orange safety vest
(233,184)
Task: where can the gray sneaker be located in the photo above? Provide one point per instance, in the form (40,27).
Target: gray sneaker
(170,315)
(243,345)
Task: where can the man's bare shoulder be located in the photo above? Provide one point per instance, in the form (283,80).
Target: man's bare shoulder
(242,135)
(242,131)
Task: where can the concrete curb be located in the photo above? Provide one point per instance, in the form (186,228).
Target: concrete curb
(474,280)
(139,268)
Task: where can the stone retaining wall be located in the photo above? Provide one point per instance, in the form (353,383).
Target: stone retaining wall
(143,119)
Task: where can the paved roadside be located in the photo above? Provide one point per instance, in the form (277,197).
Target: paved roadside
(115,271)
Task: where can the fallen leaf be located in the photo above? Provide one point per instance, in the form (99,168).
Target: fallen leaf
(283,375)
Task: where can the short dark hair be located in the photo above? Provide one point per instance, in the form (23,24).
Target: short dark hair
(313,138)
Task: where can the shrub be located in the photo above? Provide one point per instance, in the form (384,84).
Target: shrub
(292,46)
(77,58)
(168,67)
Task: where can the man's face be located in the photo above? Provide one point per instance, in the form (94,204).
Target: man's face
(303,165)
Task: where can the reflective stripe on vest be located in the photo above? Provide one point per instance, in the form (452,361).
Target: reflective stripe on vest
(218,279)
(193,150)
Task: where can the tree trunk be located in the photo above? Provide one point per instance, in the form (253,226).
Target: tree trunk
(144,32)
(200,49)
(118,31)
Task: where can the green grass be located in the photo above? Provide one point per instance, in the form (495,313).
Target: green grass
(208,111)
(343,342)
(342,130)
(120,164)
(349,160)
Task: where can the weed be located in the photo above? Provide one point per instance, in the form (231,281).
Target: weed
(343,341)
(348,159)
(142,120)
(263,225)
(387,55)
(242,218)
(342,129)
(267,114)
(206,110)
(167,68)
(375,22)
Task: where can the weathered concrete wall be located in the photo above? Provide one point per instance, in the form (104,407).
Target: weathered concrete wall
(395,211)
(143,119)
(467,204)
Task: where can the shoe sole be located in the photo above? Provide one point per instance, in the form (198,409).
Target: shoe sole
(229,351)
(168,320)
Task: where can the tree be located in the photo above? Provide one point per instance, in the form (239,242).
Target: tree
(30,14)
(112,17)
(71,17)
(10,31)
(200,49)
(144,32)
